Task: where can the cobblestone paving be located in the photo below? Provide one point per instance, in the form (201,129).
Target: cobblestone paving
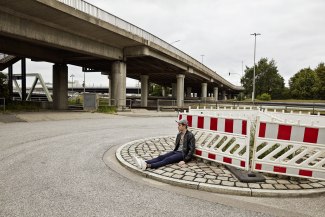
(200,171)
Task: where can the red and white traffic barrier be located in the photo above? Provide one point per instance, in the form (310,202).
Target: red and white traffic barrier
(289,149)
(219,139)
(221,124)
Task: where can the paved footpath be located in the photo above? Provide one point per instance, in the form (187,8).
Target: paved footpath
(63,164)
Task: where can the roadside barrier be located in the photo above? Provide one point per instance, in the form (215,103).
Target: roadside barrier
(293,147)
(222,140)
(289,149)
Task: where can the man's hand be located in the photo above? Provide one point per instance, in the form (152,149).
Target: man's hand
(181,163)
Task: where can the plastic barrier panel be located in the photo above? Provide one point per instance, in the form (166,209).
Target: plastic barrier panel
(289,149)
(222,140)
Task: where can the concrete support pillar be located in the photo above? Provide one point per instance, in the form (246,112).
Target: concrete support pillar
(204,90)
(174,90)
(163,91)
(180,90)
(215,93)
(188,91)
(23,79)
(224,95)
(118,84)
(144,90)
(229,96)
(10,87)
(109,89)
(60,86)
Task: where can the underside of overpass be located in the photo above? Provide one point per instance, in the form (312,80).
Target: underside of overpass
(47,30)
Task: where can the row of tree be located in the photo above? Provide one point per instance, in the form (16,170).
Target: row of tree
(307,83)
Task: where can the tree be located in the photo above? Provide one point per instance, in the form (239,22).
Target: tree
(4,90)
(304,84)
(267,79)
(320,72)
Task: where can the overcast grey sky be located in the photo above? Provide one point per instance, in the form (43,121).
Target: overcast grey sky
(292,32)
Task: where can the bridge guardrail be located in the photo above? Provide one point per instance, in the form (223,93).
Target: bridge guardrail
(289,149)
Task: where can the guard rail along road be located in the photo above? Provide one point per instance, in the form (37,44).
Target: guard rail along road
(277,143)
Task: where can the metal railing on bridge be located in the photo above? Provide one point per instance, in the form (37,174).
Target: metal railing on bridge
(122,24)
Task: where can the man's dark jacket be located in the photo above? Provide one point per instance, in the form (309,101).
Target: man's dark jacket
(188,145)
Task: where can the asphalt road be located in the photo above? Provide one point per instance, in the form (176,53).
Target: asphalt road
(57,168)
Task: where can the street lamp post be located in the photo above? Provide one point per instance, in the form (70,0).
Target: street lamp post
(174,42)
(253,94)
(72,81)
(202,55)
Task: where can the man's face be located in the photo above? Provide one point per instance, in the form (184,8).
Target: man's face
(181,127)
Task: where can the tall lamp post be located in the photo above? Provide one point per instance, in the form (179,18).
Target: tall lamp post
(174,42)
(72,81)
(253,94)
(202,55)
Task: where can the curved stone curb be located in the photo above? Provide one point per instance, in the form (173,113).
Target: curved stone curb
(244,191)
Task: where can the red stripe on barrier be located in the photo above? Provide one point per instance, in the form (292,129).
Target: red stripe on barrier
(200,122)
(311,135)
(244,127)
(198,152)
(180,117)
(229,125)
(261,132)
(242,163)
(212,156)
(284,132)
(213,123)
(227,160)
(189,119)
(279,169)
(305,173)
(258,166)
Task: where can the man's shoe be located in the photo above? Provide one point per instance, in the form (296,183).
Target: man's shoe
(143,164)
(137,161)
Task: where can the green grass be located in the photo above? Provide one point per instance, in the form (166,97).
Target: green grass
(299,100)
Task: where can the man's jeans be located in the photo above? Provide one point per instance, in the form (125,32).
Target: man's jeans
(168,158)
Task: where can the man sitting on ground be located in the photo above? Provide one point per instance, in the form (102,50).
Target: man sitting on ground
(182,153)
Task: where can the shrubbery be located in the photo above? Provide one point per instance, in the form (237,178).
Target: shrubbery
(264,97)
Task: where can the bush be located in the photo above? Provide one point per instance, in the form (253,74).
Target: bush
(264,97)
(107,109)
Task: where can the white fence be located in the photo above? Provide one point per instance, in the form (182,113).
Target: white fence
(289,149)
(222,140)
(293,149)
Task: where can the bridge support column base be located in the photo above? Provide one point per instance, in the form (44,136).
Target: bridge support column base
(180,90)
(144,90)
(118,82)
(60,86)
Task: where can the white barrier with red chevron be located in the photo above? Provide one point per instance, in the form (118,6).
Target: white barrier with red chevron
(219,139)
(289,149)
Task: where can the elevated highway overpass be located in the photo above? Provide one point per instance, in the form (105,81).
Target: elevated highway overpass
(75,32)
